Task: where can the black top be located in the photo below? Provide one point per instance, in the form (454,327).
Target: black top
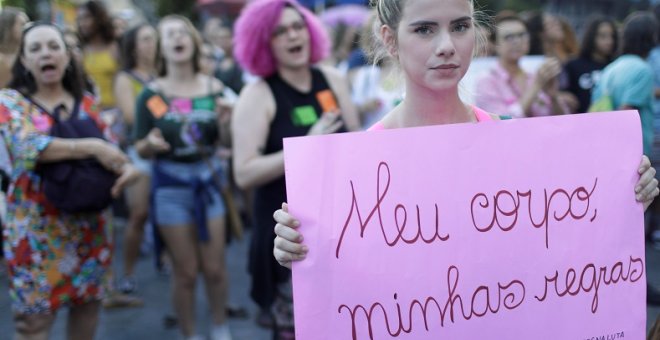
(580,77)
(295,114)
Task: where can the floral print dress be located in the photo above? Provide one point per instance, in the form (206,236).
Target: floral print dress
(54,259)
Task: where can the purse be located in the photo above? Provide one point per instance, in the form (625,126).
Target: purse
(76,186)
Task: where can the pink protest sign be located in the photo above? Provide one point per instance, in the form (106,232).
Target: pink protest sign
(519,229)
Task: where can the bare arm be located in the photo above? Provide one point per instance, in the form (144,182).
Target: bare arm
(107,154)
(125,97)
(250,126)
(340,87)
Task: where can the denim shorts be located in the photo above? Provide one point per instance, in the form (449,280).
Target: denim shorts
(176,205)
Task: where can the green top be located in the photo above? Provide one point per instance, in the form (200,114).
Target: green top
(186,123)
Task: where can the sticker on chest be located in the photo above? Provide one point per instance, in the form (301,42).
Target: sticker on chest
(304,115)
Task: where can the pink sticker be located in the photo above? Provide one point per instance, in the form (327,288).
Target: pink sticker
(182,105)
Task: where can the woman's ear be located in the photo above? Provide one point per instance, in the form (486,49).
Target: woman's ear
(389,39)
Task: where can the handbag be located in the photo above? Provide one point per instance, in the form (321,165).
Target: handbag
(76,186)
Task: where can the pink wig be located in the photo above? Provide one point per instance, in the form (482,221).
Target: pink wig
(254,29)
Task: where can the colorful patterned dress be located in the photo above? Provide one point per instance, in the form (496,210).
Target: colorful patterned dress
(54,258)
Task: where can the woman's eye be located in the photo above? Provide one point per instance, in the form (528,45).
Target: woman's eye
(424,30)
(462,27)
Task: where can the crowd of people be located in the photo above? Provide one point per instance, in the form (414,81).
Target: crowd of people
(178,124)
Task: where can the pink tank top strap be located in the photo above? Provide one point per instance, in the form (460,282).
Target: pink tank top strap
(482,116)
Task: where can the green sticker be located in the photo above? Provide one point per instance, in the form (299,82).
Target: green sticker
(304,116)
(205,103)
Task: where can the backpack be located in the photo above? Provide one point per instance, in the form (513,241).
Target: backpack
(76,186)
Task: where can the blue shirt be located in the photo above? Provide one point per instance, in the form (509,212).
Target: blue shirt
(629,81)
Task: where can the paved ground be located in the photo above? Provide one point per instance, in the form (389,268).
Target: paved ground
(147,322)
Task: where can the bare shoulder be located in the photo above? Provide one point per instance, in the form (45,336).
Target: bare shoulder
(258,96)
(216,85)
(256,90)
(122,78)
(331,73)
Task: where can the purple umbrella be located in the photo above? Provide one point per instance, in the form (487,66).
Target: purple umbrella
(351,15)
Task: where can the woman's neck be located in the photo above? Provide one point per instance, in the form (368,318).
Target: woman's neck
(50,92)
(145,68)
(50,96)
(97,43)
(512,67)
(599,57)
(181,73)
(300,78)
(421,108)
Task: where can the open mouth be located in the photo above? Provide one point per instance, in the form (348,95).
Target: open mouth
(47,67)
(295,49)
(179,48)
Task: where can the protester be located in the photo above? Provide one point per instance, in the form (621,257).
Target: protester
(292,98)
(55,258)
(100,50)
(599,48)
(138,50)
(12,21)
(507,88)
(180,120)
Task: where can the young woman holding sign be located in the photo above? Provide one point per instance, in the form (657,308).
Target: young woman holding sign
(433,41)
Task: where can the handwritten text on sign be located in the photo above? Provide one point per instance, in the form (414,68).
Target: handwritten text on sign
(502,230)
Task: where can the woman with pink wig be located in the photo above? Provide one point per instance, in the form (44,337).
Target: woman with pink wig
(292,98)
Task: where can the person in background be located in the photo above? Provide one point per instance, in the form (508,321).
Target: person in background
(207,60)
(180,120)
(100,50)
(56,258)
(12,21)
(376,89)
(599,48)
(72,41)
(228,70)
(507,89)
(138,50)
(292,98)
(628,84)
(546,35)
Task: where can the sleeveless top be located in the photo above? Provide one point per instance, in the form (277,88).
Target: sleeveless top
(295,114)
(102,67)
(481,115)
(189,125)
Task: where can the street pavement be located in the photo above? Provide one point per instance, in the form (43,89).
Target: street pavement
(148,322)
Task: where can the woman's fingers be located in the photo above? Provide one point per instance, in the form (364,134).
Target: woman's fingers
(290,247)
(288,233)
(647,191)
(645,179)
(284,218)
(644,165)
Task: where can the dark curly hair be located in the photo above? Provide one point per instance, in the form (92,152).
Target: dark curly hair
(103,25)
(589,38)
